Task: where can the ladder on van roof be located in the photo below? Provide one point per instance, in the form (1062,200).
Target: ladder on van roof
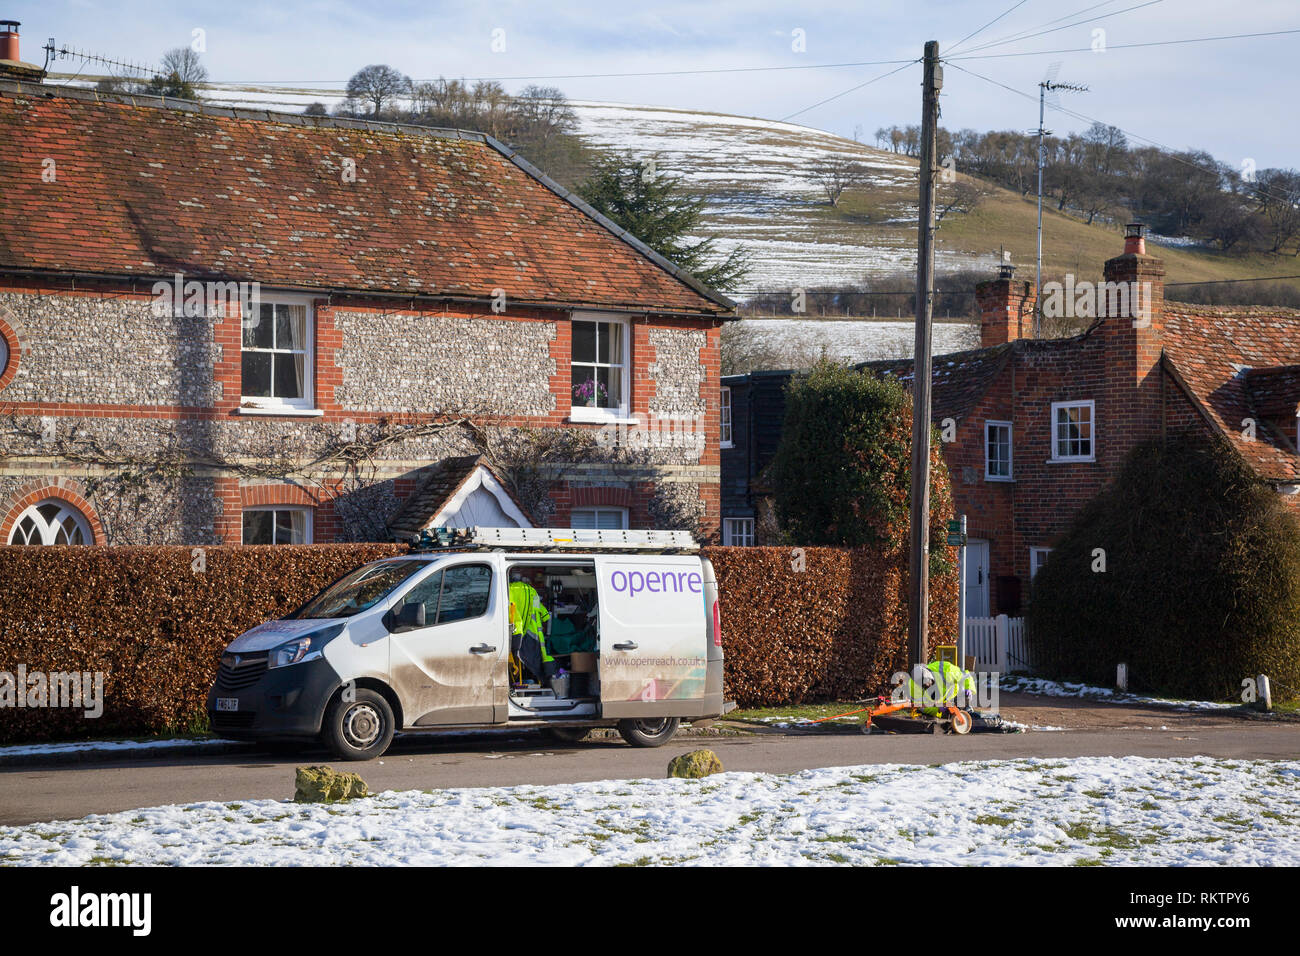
(554,539)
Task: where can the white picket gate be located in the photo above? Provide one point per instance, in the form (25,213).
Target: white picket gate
(998,644)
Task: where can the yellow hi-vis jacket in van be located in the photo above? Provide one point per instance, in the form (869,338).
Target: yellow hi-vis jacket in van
(950,678)
(528,614)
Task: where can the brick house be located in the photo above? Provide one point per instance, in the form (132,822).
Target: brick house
(224,325)
(1033,429)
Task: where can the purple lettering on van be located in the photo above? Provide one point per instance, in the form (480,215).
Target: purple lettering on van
(656,582)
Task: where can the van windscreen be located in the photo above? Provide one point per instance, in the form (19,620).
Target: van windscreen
(359,590)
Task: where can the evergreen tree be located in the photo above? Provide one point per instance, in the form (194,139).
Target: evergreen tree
(656,209)
(842,471)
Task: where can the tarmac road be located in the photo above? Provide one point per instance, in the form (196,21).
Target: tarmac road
(29,794)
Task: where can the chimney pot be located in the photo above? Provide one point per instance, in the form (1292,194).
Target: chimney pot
(1135,242)
(9,40)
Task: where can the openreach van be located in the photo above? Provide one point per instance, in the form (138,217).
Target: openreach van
(425,642)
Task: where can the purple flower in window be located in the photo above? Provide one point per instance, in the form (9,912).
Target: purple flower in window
(590,392)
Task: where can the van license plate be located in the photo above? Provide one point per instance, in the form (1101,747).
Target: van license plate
(227,703)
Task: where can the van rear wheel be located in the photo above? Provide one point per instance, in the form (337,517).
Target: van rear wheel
(359,729)
(648,733)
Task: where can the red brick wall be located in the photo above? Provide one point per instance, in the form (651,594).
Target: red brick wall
(1042,501)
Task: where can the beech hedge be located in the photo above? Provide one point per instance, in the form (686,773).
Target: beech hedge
(798,625)
(154,620)
(835,630)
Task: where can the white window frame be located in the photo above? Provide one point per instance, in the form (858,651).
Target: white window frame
(585,413)
(1034,563)
(47,531)
(308,531)
(261,404)
(1092,431)
(1011,452)
(597,511)
(738,532)
(724,417)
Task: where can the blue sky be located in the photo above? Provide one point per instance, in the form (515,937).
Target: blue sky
(1234,98)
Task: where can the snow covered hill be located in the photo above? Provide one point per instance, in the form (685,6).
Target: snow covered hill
(755,173)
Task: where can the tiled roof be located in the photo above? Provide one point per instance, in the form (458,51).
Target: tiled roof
(145,189)
(1275,392)
(958,380)
(1213,351)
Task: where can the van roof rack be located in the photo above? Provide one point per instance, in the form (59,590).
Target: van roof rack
(554,539)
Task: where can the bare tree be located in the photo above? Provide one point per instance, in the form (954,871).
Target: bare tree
(837,174)
(961,195)
(183,63)
(378,85)
(181,75)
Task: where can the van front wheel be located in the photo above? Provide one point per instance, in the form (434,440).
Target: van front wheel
(648,733)
(361,728)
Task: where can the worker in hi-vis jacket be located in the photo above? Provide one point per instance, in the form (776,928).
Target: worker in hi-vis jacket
(954,686)
(528,617)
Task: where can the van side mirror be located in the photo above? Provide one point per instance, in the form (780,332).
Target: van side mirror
(409,617)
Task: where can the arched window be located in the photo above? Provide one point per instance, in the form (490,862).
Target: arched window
(51,521)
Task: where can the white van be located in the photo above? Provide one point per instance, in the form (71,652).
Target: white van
(422,642)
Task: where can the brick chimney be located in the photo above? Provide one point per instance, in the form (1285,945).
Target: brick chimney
(1133,296)
(11,66)
(1131,305)
(1006,308)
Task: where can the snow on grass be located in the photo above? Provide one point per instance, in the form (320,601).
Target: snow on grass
(1050,688)
(1027,727)
(111,746)
(1083,811)
(853,340)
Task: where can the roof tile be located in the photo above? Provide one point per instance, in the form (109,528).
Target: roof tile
(257,197)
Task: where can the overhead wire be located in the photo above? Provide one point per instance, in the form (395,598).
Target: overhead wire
(971,55)
(1030,34)
(852,89)
(1012,9)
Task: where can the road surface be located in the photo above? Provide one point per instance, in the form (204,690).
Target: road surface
(29,794)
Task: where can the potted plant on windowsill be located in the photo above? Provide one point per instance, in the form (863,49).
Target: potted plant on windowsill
(590,394)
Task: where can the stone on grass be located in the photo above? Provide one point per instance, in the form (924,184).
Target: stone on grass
(697,763)
(327,785)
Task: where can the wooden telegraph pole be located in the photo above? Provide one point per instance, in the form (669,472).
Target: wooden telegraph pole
(919,585)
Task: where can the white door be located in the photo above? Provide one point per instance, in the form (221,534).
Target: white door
(975,578)
(454,669)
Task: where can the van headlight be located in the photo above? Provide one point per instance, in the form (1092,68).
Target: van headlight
(301,649)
